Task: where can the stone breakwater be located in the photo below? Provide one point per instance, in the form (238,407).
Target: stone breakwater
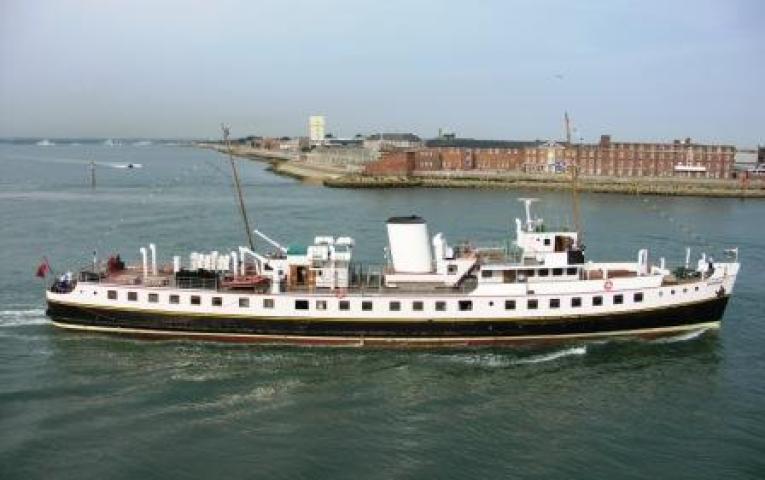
(642,186)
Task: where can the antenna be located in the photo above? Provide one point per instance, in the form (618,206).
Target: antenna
(527,203)
(226,131)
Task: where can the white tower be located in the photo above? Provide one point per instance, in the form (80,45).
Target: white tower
(316,125)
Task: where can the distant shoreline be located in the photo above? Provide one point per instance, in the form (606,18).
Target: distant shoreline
(290,165)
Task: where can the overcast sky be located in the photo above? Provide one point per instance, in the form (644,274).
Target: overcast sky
(639,70)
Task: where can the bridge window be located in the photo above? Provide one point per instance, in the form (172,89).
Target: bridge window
(597,300)
(509,304)
(301,304)
(196,300)
(576,302)
(532,304)
(133,296)
(440,306)
(153,297)
(344,305)
(244,302)
(638,297)
(111,294)
(175,299)
(417,306)
(366,306)
(268,303)
(217,301)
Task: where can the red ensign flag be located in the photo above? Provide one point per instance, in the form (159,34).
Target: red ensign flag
(43,269)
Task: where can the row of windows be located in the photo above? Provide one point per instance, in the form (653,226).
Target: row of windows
(368,305)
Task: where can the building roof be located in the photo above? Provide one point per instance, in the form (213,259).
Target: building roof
(475,143)
(395,137)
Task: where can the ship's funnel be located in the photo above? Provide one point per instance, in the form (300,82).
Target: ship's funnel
(409,244)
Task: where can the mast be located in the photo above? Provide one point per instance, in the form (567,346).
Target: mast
(575,196)
(237,184)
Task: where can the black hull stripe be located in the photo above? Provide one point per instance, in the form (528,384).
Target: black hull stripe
(705,312)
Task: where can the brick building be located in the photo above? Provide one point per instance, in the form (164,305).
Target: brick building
(398,162)
(606,158)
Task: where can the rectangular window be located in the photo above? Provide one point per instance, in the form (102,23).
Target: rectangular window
(440,306)
(638,297)
(321,304)
(618,299)
(111,294)
(133,296)
(417,306)
(532,304)
(244,302)
(465,305)
(217,301)
(597,301)
(268,303)
(509,304)
(543,272)
(555,303)
(301,304)
(344,305)
(576,302)
(571,271)
(196,300)
(153,297)
(557,272)
(394,306)
(486,273)
(366,306)
(175,299)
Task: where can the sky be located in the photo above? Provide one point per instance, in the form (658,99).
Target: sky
(638,70)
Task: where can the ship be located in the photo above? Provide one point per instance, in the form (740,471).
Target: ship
(537,287)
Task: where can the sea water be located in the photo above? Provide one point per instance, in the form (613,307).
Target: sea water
(75,405)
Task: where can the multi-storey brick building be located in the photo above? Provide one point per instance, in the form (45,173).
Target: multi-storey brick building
(606,158)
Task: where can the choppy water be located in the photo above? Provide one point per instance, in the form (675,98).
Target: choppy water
(86,406)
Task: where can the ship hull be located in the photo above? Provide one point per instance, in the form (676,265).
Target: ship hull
(668,320)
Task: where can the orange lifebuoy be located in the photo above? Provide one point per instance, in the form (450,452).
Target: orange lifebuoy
(608,285)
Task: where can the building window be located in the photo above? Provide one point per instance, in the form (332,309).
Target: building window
(618,299)
(638,297)
(153,297)
(597,301)
(268,303)
(555,303)
(244,302)
(509,304)
(133,296)
(532,304)
(321,304)
(465,305)
(301,304)
(175,299)
(417,306)
(111,294)
(196,300)
(440,306)
(366,306)
(394,306)
(217,301)
(576,302)
(344,305)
